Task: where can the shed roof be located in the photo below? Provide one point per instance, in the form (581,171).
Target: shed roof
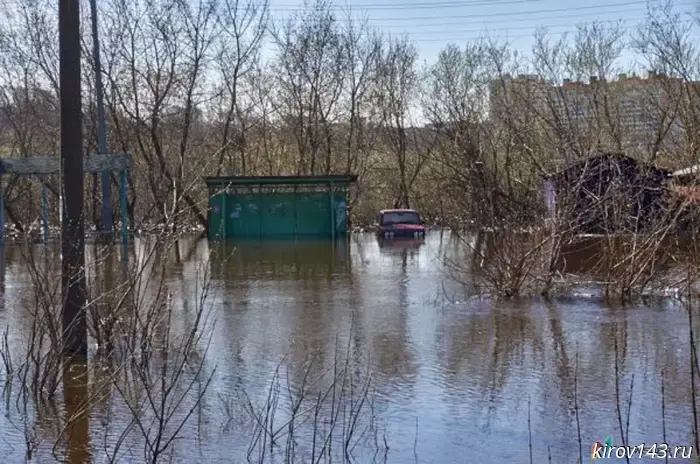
(280,180)
(607,157)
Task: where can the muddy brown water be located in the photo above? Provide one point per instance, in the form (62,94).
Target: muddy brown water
(454,378)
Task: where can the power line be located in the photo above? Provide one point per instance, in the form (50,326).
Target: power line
(478,34)
(572,28)
(502,16)
(415,33)
(521,20)
(417,5)
(496,15)
(486,35)
(424,23)
(491,18)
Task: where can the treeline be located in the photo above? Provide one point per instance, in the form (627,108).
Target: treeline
(188,93)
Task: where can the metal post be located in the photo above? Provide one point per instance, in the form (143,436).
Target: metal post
(107,227)
(346,212)
(259,210)
(44,212)
(74,287)
(296,216)
(332,200)
(124,216)
(224,214)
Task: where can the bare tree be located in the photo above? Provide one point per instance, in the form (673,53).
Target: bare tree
(455,106)
(664,41)
(272,158)
(579,107)
(200,29)
(361,46)
(155,64)
(243,28)
(29,99)
(396,88)
(312,72)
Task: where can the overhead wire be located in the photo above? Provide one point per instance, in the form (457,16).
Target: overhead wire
(498,14)
(404,5)
(420,27)
(549,29)
(621,23)
(415,33)
(556,18)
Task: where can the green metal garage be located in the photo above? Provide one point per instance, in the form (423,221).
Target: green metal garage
(278,206)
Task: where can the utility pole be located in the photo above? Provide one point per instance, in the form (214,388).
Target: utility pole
(73,284)
(107,229)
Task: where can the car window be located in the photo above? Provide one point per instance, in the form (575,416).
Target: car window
(407,217)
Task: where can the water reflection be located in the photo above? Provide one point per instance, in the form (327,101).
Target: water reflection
(279,260)
(453,375)
(77,432)
(594,255)
(391,246)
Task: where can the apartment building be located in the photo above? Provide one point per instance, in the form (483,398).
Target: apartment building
(507,93)
(631,109)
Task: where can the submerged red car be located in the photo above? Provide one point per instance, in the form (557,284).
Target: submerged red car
(400,223)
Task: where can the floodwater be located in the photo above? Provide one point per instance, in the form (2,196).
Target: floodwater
(452,377)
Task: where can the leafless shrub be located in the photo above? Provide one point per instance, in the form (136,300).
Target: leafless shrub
(327,415)
(161,374)
(504,264)
(155,358)
(144,350)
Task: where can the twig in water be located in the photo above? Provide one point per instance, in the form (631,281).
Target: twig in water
(693,354)
(576,412)
(618,407)
(415,443)
(629,409)
(663,410)
(529,429)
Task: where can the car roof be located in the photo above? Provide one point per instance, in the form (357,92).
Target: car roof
(398,211)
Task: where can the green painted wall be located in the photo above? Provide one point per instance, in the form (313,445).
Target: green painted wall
(277,215)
